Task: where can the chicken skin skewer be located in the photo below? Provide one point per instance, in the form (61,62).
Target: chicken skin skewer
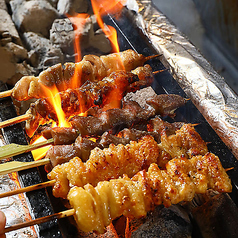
(112,162)
(73,75)
(96,207)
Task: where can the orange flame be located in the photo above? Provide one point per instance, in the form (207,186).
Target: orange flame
(103,7)
(78,22)
(55,101)
(41,152)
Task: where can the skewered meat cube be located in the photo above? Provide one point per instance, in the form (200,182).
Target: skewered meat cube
(96,207)
(131,113)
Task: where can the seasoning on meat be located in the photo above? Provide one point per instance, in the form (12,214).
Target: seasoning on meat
(96,207)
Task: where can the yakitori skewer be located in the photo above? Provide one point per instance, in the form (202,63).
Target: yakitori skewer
(10,150)
(15,166)
(94,208)
(137,155)
(92,68)
(27,189)
(15,120)
(76,101)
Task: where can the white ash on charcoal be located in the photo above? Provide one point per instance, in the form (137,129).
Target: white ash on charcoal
(73,6)
(43,50)
(13,55)
(34,16)
(41,36)
(162,223)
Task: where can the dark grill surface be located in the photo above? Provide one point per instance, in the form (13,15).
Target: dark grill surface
(41,201)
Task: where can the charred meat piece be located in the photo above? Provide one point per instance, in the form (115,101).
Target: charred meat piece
(131,113)
(61,135)
(59,154)
(96,207)
(157,125)
(165,106)
(76,101)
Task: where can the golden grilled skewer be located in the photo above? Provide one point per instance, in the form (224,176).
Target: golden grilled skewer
(94,208)
(117,160)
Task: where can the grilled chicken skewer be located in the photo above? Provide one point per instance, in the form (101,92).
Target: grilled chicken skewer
(73,75)
(118,160)
(94,208)
(133,157)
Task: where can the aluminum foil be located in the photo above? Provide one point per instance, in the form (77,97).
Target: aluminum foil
(206,88)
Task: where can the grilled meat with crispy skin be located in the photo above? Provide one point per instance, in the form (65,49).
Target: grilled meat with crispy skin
(118,160)
(92,68)
(105,164)
(96,207)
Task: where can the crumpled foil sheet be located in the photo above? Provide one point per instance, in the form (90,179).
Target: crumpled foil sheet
(15,208)
(206,88)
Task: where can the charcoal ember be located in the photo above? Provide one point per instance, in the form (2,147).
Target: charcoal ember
(72,6)
(7,26)
(43,50)
(217,216)
(62,35)
(33,16)
(140,96)
(162,223)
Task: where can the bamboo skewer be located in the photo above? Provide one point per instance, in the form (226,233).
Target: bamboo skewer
(28,189)
(6,93)
(15,166)
(37,221)
(15,120)
(10,150)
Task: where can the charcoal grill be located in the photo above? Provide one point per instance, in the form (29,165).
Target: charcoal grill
(41,202)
